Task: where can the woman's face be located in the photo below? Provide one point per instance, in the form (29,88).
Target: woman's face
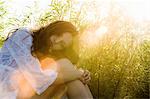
(62,41)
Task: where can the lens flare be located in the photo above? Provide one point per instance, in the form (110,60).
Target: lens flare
(100,31)
(92,35)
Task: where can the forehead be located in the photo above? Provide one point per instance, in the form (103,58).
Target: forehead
(67,34)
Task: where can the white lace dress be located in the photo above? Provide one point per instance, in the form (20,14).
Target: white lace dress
(16,58)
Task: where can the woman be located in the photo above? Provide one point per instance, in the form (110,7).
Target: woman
(39,65)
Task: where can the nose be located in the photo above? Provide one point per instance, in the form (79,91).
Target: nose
(58,40)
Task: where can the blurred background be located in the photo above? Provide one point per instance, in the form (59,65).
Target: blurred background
(114,42)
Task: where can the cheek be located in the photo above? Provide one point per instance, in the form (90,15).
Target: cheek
(67,39)
(68,42)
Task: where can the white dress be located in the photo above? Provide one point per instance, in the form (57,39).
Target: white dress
(16,58)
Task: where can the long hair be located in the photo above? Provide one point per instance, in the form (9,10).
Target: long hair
(42,43)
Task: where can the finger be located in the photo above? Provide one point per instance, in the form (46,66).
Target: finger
(81,70)
(86,73)
(82,80)
(87,76)
(88,80)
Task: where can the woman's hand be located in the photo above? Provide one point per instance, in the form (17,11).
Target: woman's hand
(85,78)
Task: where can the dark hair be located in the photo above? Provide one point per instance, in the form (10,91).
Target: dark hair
(41,37)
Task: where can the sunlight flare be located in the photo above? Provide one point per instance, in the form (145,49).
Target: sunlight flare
(92,36)
(137,9)
(100,31)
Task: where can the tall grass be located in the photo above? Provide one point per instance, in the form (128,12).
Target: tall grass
(119,62)
(117,71)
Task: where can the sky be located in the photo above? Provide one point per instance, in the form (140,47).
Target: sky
(136,9)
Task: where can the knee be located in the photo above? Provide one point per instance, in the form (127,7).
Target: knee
(74,83)
(64,65)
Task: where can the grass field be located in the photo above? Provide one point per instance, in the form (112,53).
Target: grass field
(114,45)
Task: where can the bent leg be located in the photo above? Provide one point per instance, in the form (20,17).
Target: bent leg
(73,90)
(53,92)
(67,75)
(89,92)
(77,90)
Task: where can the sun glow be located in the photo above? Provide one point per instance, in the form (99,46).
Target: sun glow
(100,31)
(139,10)
(135,10)
(92,36)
